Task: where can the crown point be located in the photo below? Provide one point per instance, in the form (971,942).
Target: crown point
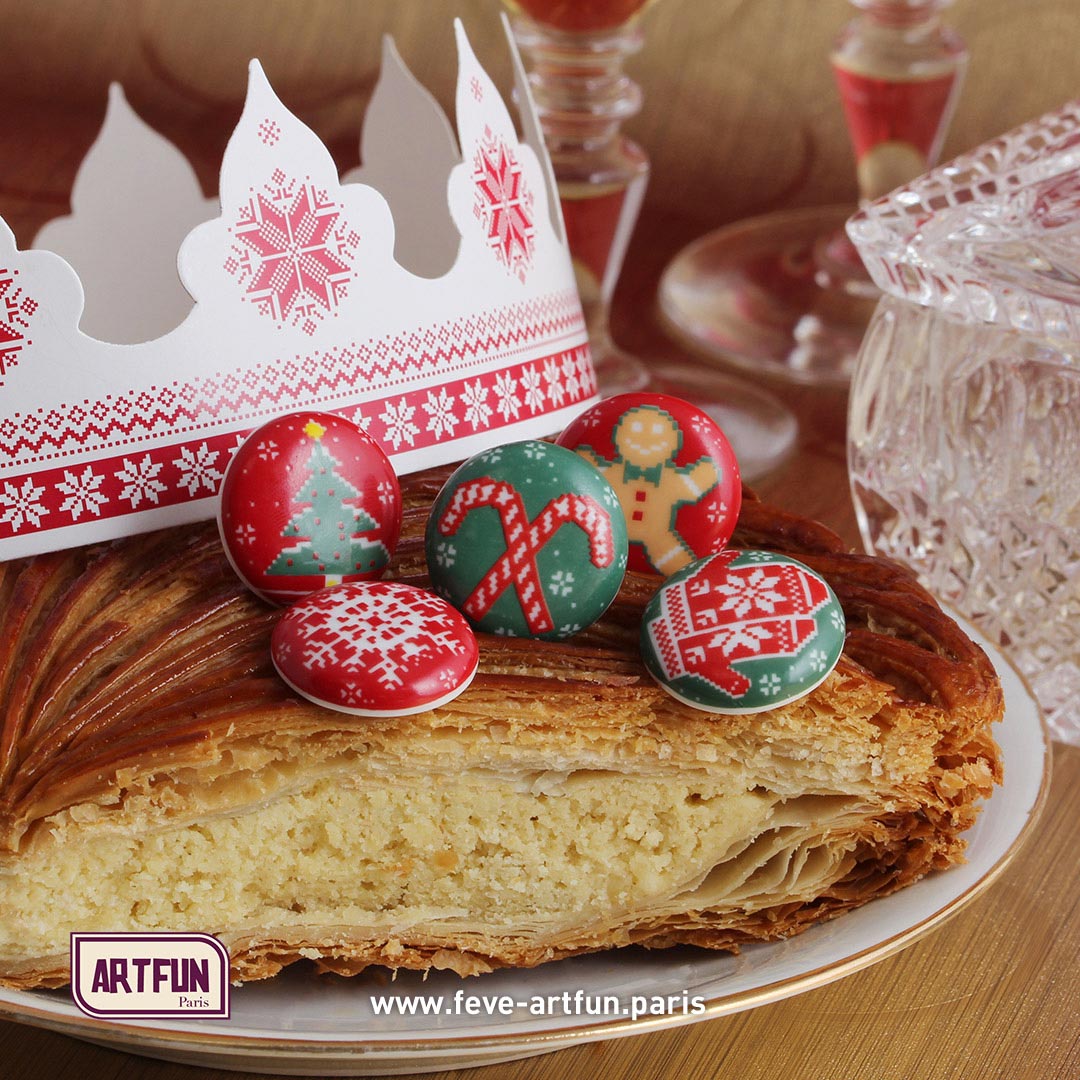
(258,82)
(314,430)
(118,109)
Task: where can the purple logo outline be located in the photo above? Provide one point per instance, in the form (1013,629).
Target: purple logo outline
(129,937)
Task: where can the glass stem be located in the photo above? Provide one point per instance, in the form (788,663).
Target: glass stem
(582,97)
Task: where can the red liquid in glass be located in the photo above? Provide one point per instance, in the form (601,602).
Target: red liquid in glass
(592,220)
(883,110)
(580,15)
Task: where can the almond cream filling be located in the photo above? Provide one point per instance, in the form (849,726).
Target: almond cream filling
(461,852)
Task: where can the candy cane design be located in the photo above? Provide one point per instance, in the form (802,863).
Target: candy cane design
(524,541)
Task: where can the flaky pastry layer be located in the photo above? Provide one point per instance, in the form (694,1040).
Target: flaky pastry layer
(155,774)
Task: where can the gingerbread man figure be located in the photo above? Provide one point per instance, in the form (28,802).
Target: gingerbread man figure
(650,486)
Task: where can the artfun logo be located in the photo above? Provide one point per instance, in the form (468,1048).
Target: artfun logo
(125,976)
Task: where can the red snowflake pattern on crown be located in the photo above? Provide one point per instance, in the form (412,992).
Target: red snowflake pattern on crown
(15,316)
(504,203)
(293,252)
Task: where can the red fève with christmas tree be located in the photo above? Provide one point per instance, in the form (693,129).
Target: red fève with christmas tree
(309,500)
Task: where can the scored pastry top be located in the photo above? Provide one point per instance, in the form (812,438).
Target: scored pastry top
(131,670)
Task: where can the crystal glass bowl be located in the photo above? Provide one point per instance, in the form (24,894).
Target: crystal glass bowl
(964,422)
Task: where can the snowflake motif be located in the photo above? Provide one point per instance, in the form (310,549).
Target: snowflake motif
(22,505)
(567,629)
(817,660)
(757,556)
(477,88)
(268,450)
(440,409)
(293,252)
(837,619)
(569,370)
(82,493)
(477,410)
(750,638)
(530,385)
(561,583)
(556,390)
(381,634)
(448,680)
(717,512)
(399,426)
(503,204)
(351,694)
(770,685)
(138,478)
(584,368)
(754,590)
(508,402)
(197,469)
(445,554)
(16,310)
(386,493)
(493,456)
(536,451)
(246,535)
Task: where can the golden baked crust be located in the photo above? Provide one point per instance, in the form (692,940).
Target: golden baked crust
(140,706)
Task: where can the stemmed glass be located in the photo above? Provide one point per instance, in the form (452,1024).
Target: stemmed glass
(786,293)
(582,96)
(576,52)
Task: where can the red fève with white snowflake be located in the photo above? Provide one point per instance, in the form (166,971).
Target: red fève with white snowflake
(375,648)
(308,501)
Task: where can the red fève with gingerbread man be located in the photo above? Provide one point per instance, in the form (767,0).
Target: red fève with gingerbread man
(673,469)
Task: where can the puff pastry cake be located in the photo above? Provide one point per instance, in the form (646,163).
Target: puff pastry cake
(156,774)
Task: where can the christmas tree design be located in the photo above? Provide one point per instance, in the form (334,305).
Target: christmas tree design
(324,531)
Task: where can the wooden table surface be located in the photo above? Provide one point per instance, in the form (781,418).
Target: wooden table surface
(992,995)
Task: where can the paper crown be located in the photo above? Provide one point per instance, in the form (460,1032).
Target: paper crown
(428,295)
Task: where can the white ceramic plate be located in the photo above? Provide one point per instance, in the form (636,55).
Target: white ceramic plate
(299,1024)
